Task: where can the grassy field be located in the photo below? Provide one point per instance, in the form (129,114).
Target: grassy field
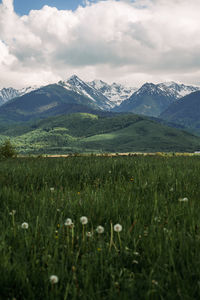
(155,199)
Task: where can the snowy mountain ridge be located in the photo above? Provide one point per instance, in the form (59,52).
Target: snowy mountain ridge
(107,96)
(7,94)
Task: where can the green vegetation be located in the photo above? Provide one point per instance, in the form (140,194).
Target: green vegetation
(155,256)
(7,150)
(89,133)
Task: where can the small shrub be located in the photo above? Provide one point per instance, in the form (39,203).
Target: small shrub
(7,150)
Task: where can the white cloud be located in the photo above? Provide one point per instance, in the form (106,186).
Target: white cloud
(145,40)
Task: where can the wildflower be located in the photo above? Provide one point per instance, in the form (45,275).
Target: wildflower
(84,220)
(12,213)
(99,249)
(52,189)
(110,172)
(145,232)
(154,282)
(132,179)
(117,227)
(24,225)
(100,229)
(135,262)
(58,210)
(89,234)
(136,253)
(183,199)
(53,279)
(171,190)
(73,269)
(157,219)
(68,222)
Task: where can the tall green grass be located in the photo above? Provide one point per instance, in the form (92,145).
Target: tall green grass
(155,256)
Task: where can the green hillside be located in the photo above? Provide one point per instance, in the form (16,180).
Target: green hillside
(84,132)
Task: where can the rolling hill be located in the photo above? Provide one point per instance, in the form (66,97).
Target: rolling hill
(83,132)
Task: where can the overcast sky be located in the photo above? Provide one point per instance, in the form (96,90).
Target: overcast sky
(123,41)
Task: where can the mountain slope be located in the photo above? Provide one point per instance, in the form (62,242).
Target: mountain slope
(186,111)
(83,132)
(149,100)
(7,94)
(46,101)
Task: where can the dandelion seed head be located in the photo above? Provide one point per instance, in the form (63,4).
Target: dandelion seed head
(53,279)
(185,199)
(51,189)
(68,222)
(12,212)
(24,225)
(135,262)
(100,229)
(117,227)
(84,220)
(89,234)
(154,282)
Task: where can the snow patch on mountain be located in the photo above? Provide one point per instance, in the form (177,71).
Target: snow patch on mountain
(115,92)
(7,94)
(77,85)
(177,90)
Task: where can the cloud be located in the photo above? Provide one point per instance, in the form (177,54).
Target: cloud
(133,41)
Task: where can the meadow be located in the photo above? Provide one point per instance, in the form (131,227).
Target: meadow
(154,254)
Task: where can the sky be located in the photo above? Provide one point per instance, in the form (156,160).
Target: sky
(125,41)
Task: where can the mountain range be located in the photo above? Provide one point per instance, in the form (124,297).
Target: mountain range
(150,99)
(176,104)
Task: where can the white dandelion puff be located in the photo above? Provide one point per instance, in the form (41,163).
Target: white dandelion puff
(12,213)
(185,199)
(100,229)
(51,189)
(68,222)
(24,225)
(89,234)
(135,262)
(117,227)
(84,220)
(53,279)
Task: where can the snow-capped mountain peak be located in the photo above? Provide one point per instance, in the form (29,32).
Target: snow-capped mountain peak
(77,85)
(115,92)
